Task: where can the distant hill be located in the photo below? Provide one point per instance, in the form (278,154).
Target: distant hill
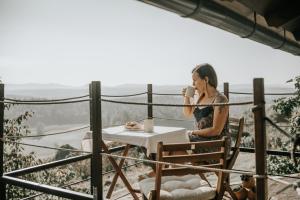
(53,90)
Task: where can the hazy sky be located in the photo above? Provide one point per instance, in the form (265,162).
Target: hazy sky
(124,41)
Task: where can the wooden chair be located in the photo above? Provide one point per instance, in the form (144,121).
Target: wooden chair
(178,183)
(236,128)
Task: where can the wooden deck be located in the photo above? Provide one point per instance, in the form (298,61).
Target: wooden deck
(246,162)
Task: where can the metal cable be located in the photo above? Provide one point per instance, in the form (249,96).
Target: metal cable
(246,93)
(64,186)
(45,147)
(270,94)
(172,119)
(49,134)
(178,105)
(124,195)
(44,103)
(282,126)
(250,173)
(278,128)
(126,95)
(188,166)
(46,100)
(287,184)
(246,124)
(71,98)
(122,167)
(164,94)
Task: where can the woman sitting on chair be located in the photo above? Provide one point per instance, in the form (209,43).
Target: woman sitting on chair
(210,120)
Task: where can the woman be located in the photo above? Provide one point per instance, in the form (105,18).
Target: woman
(210,120)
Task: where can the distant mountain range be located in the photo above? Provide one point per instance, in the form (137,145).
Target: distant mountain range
(53,90)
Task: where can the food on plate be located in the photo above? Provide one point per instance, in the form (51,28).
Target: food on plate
(133,125)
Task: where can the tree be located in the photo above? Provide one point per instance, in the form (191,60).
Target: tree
(15,158)
(61,154)
(289,108)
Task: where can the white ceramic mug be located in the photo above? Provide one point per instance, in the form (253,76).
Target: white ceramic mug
(148,125)
(190,91)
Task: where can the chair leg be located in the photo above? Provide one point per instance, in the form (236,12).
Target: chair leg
(221,194)
(229,190)
(144,197)
(204,178)
(153,195)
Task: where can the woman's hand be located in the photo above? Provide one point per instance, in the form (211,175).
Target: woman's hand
(187,110)
(190,133)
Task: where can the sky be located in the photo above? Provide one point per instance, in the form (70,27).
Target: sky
(74,42)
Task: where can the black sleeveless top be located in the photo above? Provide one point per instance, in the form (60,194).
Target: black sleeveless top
(204,119)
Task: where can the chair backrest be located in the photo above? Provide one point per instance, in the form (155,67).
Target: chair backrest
(216,156)
(236,127)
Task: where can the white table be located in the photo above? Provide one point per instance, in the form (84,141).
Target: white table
(138,138)
(143,139)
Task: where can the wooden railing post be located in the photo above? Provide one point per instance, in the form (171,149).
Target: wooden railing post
(96,161)
(91,165)
(260,139)
(149,95)
(226,89)
(226,93)
(2,184)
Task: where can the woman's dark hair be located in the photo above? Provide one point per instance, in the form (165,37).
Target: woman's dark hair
(204,70)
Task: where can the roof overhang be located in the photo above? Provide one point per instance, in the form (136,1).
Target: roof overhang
(275,23)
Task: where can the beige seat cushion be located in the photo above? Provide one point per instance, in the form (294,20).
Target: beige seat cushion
(188,187)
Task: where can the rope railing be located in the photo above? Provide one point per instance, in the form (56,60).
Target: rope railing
(50,134)
(164,163)
(278,128)
(63,186)
(166,94)
(281,126)
(173,119)
(236,171)
(143,160)
(78,99)
(268,94)
(46,100)
(159,162)
(178,105)
(243,172)
(243,93)
(124,167)
(65,131)
(43,103)
(294,139)
(245,124)
(184,165)
(69,98)
(295,185)
(44,147)
(125,95)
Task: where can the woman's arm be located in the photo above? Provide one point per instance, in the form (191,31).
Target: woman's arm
(219,120)
(188,110)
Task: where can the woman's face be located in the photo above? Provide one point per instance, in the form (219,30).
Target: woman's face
(198,83)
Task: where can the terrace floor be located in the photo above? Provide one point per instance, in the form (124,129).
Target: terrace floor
(246,162)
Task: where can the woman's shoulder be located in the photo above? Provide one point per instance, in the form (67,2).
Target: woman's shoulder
(220,98)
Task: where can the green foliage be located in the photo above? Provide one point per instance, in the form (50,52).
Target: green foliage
(15,158)
(288,108)
(61,154)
